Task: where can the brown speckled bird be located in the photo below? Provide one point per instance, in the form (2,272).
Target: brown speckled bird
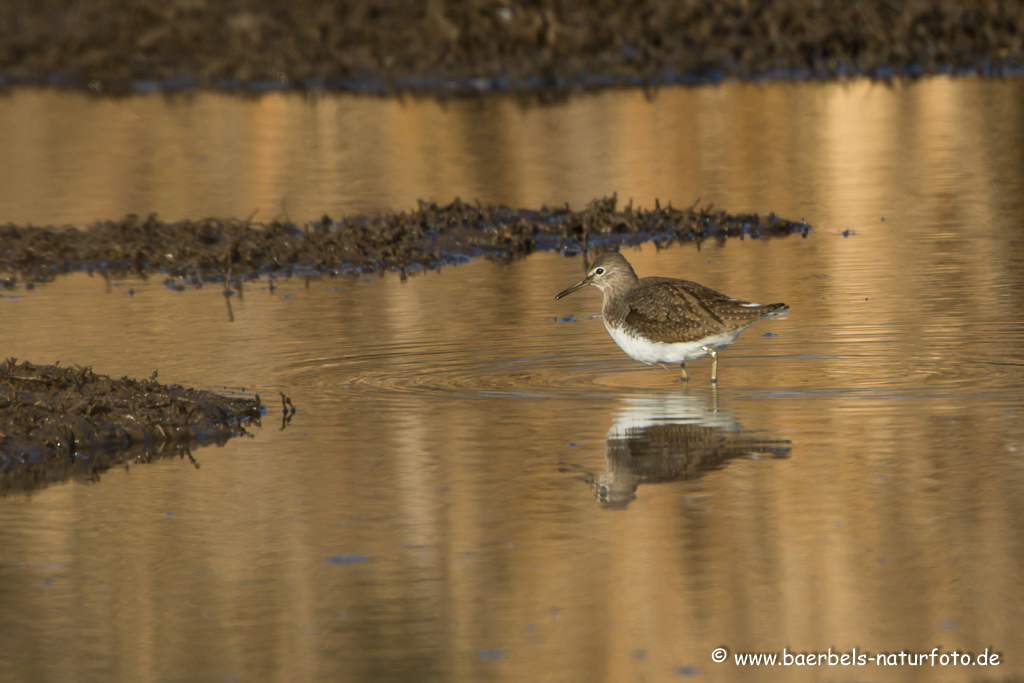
(664,320)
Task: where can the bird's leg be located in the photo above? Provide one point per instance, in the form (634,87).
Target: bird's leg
(714,363)
(682,373)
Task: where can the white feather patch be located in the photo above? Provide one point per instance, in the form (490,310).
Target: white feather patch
(649,352)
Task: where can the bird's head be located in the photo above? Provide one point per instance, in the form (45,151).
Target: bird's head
(608,271)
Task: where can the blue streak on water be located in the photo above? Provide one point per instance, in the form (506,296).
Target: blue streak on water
(346,559)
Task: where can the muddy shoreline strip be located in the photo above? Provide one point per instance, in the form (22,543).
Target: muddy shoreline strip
(230,250)
(60,423)
(450,47)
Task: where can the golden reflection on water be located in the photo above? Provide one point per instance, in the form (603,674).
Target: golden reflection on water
(427,514)
(818,151)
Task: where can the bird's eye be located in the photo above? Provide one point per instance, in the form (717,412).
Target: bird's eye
(599,271)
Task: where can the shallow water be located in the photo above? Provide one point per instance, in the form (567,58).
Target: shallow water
(475,489)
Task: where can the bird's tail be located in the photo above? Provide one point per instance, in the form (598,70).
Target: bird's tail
(774,309)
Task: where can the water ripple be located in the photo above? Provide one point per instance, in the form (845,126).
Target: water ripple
(524,377)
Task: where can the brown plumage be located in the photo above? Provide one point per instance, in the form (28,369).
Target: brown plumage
(665,320)
(668,310)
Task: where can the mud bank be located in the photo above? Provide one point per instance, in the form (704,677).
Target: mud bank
(443,46)
(60,423)
(223,250)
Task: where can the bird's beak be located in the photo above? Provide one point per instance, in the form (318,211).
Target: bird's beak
(565,292)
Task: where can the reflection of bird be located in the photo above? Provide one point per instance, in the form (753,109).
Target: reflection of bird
(668,438)
(664,320)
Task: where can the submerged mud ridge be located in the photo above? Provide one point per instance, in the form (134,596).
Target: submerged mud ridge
(230,250)
(58,423)
(444,46)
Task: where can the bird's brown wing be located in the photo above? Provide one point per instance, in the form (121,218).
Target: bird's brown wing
(669,310)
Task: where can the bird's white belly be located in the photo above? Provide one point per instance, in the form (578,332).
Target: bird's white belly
(649,352)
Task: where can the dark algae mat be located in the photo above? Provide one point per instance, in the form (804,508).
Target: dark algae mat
(455,47)
(59,423)
(432,235)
